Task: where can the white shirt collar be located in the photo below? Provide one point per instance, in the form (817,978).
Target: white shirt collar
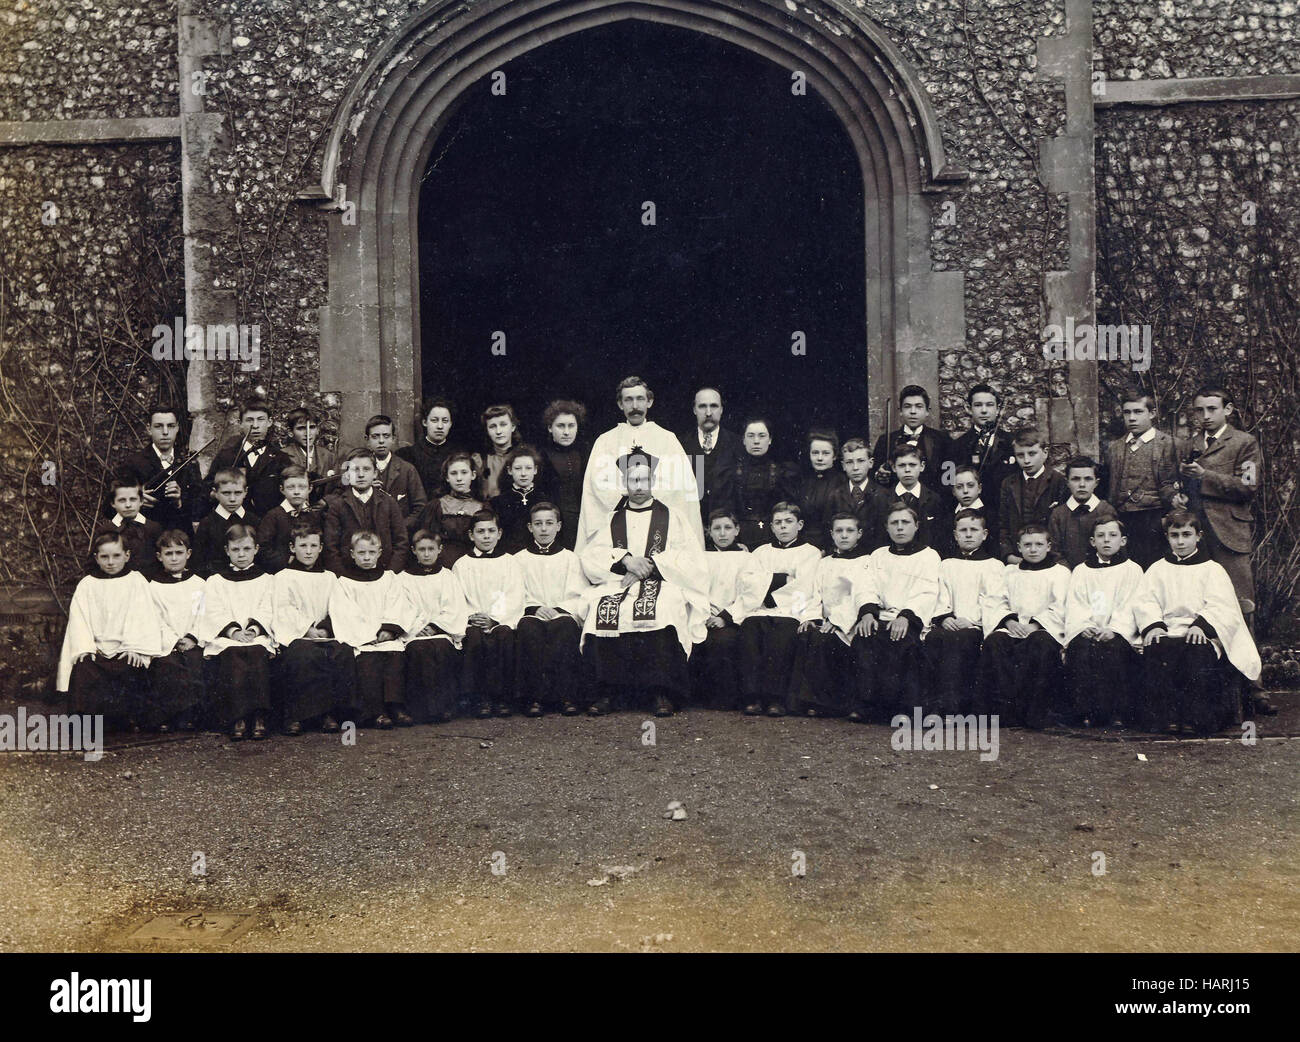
(169,459)
(1147,435)
(699,433)
(227,515)
(978,504)
(1073,504)
(383,464)
(1217,434)
(118,519)
(288,507)
(364,497)
(913,432)
(1036,475)
(899,490)
(252,450)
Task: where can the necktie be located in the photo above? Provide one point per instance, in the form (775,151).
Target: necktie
(857,496)
(1132,444)
(708,441)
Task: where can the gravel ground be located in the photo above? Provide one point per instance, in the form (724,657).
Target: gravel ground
(390,844)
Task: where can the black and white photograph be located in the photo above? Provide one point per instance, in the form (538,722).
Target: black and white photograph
(649,477)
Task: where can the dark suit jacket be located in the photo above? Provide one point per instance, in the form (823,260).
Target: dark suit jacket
(263,477)
(929,505)
(210,540)
(1232,473)
(1015,508)
(934,450)
(140,540)
(870,513)
(345,514)
(714,471)
(143,466)
(402,481)
(273,536)
(996,465)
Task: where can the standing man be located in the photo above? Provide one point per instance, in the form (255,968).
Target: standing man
(652,594)
(674,478)
(713,452)
(182,499)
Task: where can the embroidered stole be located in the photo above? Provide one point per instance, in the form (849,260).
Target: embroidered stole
(643,608)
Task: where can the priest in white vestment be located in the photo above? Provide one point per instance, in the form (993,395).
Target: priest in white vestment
(651,597)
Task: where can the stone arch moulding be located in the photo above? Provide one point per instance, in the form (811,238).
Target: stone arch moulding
(386,128)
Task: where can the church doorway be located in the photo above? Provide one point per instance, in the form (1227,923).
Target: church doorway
(645,199)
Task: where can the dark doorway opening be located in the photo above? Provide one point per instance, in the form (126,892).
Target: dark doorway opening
(531,223)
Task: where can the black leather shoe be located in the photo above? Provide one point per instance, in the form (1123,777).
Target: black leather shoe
(384,722)
(855,717)
(775,710)
(501,709)
(1262,704)
(402,718)
(753,709)
(663,707)
(484,711)
(599,708)
(569,709)
(259,729)
(535,709)
(328,725)
(293,728)
(238,731)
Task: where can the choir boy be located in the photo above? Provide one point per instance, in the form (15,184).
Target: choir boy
(767,636)
(113,632)
(1028,497)
(548,637)
(361,507)
(231,488)
(1107,609)
(393,474)
(931,445)
(897,596)
(970,582)
(1070,524)
(1024,630)
(519,493)
(316,671)
(370,612)
(176,677)
(823,658)
(494,592)
(1143,476)
(715,676)
(235,631)
(434,661)
(139,534)
(863,497)
(273,530)
(1200,639)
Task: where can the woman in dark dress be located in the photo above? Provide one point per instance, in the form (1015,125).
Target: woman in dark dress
(453,512)
(501,427)
(432,444)
(761,481)
(824,491)
(566,461)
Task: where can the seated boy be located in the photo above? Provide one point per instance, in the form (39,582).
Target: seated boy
(176,677)
(370,612)
(1027,497)
(494,592)
(315,670)
(823,658)
(273,530)
(896,597)
(113,633)
(909,469)
(1023,633)
(210,536)
(1143,476)
(1070,524)
(767,636)
(715,671)
(434,660)
(235,631)
(548,638)
(139,534)
(1108,606)
(1200,634)
(969,583)
(519,492)
(361,507)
